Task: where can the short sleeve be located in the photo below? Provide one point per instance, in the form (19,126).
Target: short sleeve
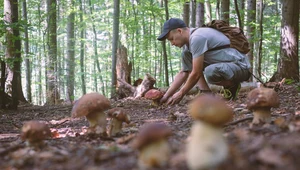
(198,45)
(186,59)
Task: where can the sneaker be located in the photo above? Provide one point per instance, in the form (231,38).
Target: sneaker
(231,93)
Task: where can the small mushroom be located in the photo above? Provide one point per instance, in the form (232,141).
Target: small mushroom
(154,95)
(260,101)
(92,105)
(207,147)
(153,146)
(118,116)
(34,132)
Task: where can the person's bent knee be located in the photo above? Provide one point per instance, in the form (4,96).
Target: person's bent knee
(212,74)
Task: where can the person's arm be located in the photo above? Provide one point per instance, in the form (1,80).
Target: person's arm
(179,79)
(195,76)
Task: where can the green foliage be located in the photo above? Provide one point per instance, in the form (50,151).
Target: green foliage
(140,24)
(289,81)
(298,87)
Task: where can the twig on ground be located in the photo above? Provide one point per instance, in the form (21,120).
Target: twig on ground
(54,126)
(238,121)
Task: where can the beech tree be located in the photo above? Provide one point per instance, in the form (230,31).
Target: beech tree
(289,60)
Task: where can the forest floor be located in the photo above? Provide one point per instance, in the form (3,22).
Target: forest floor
(265,147)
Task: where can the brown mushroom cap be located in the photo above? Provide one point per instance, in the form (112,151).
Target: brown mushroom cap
(34,131)
(119,114)
(210,109)
(88,103)
(154,94)
(262,98)
(150,133)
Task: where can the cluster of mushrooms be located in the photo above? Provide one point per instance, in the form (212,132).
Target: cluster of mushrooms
(206,147)
(93,107)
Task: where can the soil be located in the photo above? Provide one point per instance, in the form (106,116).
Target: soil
(268,146)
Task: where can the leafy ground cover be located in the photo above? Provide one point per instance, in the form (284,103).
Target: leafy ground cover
(264,147)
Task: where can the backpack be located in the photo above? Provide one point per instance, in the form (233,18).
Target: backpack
(235,34)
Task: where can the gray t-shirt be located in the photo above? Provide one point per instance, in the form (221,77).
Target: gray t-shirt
(203,39)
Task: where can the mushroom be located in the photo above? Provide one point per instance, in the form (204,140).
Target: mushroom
(260,101)
(92,105)
(207,147)
(154,95)
(153,146)
(118,116)
(34,132)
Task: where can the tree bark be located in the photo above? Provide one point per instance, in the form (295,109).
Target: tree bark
(52,95)
(165,56)
(238,14)
(193,13)
(70,63)
(13,53)
(129,90)
(3,100)
(200,14)
(251,19)
(123,67)
(208,11)
(82,44)
(259,57)
(26,53)
(225,10)
(289,61)
(115,45)
(186,13)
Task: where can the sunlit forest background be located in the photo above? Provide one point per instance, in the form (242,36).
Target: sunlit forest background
(140,23)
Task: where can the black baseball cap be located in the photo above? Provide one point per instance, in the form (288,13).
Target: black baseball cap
(169,25)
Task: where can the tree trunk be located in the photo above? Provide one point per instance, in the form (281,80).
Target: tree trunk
(128,90)
(289,61)
(52,95)
(115,45)
(259,56)
(251,13)
(208,11)
(225,10)
(193,13)
(123,67)
(186,13)
(165,56)
(95,44)
(218,9)
(26,53)
(3,100)
(13,52)
(241,5)
(70,63)
(82,44)
(200,14)
(238,14)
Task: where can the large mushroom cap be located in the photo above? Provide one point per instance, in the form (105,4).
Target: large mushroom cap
(89,103)
(154,94)
(35,131)
(119,114)
(210,109)
(262,97)
(150,133)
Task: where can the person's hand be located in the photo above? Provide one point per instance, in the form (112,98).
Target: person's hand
(176,98)
(163,99)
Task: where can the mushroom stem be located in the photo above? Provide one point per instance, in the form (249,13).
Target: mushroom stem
(207,147)
(114,127)
(97,121)
(155,102)
(262,115)
(155,154)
